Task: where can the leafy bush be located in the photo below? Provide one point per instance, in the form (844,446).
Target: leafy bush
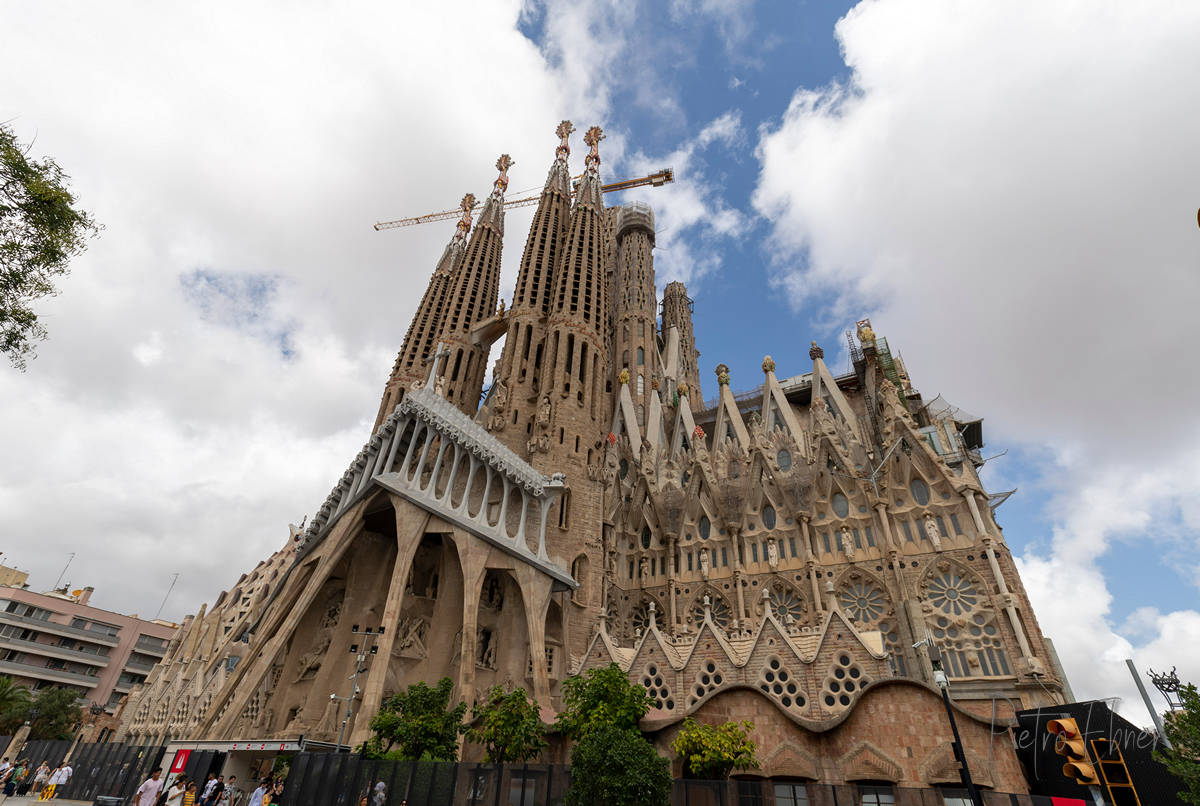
(615,766)
(711,751)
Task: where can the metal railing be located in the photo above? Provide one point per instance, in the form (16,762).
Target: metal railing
(144,644)
(60,629)
(54,651)
(45,672)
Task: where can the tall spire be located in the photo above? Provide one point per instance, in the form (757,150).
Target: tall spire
(421,339)
(472,298)
(518,375)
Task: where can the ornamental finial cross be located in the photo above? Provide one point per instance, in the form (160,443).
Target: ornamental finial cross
(502,165)
(466,205)
(593,137)
(564,132)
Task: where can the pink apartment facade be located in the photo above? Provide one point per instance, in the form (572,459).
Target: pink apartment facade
(57,639)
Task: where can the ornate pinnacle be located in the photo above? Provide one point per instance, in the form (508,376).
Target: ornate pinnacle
(502,165)
(592,137)
(466,205)
(564,131)
(768,364)
(722,374)
(815,352)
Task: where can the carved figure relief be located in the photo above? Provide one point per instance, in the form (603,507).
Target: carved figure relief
(410,638)
(485,649)
(847,541)
(932,530)
(772,554)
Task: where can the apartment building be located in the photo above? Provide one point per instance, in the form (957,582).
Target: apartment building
(57,639)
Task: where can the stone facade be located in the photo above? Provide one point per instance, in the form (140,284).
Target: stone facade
(790,555)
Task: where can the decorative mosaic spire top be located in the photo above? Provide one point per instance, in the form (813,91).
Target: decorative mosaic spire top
(593,137)
(502,165)
(466,205)
(564,133)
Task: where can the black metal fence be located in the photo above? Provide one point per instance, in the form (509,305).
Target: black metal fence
(111,769)
(328,779)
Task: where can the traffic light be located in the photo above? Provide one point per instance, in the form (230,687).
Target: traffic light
(1070,745)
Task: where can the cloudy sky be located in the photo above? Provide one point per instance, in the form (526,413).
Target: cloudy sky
(1008,190)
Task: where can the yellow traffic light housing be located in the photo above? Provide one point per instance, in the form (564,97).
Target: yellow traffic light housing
(1069,744)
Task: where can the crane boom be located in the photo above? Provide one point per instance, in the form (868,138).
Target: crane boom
(656,179)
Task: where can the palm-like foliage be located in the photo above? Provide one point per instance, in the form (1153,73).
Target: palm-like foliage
(14,702)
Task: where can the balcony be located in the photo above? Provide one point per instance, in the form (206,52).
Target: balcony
(55,628)
(139,666)
(43,673)
(150,647)
(126,686)
(51,651)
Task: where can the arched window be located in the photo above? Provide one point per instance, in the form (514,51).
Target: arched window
(705,527)
(641,356)
(768,517)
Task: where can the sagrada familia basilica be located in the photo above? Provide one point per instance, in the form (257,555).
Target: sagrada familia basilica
(797,555)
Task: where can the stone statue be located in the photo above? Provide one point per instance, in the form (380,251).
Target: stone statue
(310,661)
(410,637)
(500,398)
(847,541)
(704,565)
(644,568)
(485,653)
(543,413)
(772,554)
(932,530)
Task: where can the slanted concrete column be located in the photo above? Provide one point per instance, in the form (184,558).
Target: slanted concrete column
(535,590)
(473,557)
(406,548)
(881,510)
(969,495)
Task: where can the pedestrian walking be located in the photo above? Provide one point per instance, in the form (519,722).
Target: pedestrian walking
(147,793)
(380,796)
(64,776)
(260,792)
(51,783)
(174,794)
(189,794)
(40,776)
(209,786)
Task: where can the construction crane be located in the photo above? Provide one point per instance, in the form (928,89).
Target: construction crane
(655,180)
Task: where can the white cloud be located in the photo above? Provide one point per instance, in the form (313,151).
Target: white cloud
(215,359)
(1010,191)
(690,213)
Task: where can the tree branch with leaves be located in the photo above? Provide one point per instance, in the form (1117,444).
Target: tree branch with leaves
(41,229)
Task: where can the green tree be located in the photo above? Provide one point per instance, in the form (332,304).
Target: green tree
(14,705)
(614,766)
(509,726)
(54,713)
(601,697)
(417,724)
(1183,730)
(41,229)
(710,751)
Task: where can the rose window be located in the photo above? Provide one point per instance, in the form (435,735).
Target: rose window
(952,594)
(639,619)
(862,600)
(784,602)
(719,609)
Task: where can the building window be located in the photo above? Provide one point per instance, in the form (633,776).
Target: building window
(705,527)
(641,358)
(841,506)
(768,516)
(564,510)
(791,795)
(955,797)
(750,793)
(876,796)
(920,491)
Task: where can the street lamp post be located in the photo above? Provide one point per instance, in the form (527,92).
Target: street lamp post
(960,753)
(360,652)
